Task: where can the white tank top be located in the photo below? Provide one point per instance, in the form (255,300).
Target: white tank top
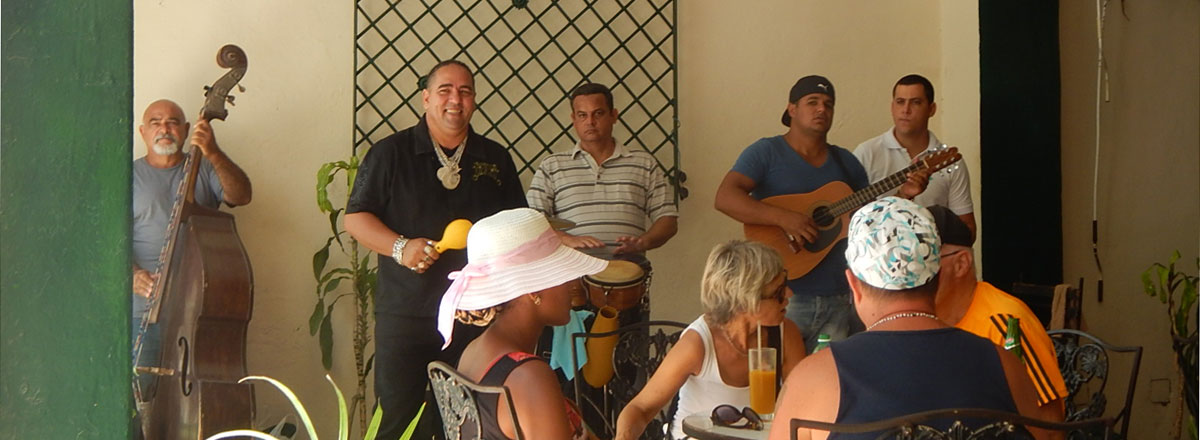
(704,391)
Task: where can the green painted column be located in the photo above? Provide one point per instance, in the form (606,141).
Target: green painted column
(64,219)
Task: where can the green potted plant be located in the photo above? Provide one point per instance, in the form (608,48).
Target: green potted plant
(355,280)
(1177,290)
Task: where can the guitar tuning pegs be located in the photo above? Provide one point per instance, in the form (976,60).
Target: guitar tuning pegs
(207,89)
(229,99)
(241,88)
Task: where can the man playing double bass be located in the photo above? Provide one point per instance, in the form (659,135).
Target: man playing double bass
(156,177)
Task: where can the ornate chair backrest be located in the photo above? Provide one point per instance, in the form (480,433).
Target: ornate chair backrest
(639,351)
(1084,362)
(964,424)
(458,402)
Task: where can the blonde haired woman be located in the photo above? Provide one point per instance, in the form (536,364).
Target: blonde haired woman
(744,289)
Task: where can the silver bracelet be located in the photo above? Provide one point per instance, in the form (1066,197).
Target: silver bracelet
(398,249)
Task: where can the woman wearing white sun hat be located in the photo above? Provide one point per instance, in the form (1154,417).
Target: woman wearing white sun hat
(515,282)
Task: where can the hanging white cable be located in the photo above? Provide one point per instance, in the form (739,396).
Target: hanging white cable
(1101,83)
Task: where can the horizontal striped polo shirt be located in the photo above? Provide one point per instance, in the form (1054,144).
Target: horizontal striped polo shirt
(605,201)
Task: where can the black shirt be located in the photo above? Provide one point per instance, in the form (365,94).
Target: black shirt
(397,182)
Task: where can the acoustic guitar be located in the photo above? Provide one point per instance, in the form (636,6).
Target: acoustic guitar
(830,216)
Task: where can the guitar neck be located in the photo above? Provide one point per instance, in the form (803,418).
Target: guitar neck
(873,191)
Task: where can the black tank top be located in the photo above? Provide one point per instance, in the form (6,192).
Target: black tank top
(488,403)
(889,374)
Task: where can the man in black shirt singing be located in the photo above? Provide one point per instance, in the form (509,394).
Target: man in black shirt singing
(409,187)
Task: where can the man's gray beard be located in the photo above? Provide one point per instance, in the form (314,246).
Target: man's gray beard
(166,150)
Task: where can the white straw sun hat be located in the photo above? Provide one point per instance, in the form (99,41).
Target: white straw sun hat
(509,254)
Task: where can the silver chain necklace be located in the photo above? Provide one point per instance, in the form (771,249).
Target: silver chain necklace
(725,333)
(896,316)
(448,173)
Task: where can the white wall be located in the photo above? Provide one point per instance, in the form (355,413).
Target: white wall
(736,64)
(1149,176)
(957,119)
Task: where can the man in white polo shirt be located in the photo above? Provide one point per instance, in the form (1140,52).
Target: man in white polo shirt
(609,191)
(883,155)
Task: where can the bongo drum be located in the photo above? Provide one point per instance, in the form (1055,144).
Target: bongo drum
(620,286)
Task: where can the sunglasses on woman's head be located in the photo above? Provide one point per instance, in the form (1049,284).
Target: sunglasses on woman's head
(729,416)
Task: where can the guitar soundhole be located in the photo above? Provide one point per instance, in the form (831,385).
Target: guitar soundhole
(822,217)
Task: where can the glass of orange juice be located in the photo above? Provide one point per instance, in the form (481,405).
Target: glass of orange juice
(762,381)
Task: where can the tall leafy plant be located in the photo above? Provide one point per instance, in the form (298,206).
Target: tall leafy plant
(1177,290)
(355,280)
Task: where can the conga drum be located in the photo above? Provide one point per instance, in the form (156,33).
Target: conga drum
(620,286)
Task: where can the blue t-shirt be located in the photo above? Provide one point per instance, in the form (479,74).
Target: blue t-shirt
(776,169)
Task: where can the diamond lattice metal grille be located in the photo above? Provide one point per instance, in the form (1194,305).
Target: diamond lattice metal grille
(528,56)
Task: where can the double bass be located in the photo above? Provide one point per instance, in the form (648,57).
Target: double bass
(202,302)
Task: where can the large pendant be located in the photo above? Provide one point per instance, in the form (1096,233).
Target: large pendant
(449,177)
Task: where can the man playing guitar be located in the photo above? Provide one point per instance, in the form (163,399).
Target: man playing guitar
(803,161)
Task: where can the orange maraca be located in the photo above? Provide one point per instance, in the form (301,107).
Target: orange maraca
(455,236)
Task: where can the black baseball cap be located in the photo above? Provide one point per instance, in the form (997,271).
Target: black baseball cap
(950,227)
(805,86)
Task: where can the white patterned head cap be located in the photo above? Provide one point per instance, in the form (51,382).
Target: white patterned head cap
(893,244)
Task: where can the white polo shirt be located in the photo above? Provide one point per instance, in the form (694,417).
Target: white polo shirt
(883,155)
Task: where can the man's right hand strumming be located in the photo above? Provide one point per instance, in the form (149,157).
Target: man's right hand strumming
(799,227)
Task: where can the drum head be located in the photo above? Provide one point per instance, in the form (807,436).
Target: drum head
(618,272)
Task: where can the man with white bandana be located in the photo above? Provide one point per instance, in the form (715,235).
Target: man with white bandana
(908,360)
(156,177)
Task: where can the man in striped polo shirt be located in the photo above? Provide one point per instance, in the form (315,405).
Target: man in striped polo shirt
(980,308)
(609,191)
